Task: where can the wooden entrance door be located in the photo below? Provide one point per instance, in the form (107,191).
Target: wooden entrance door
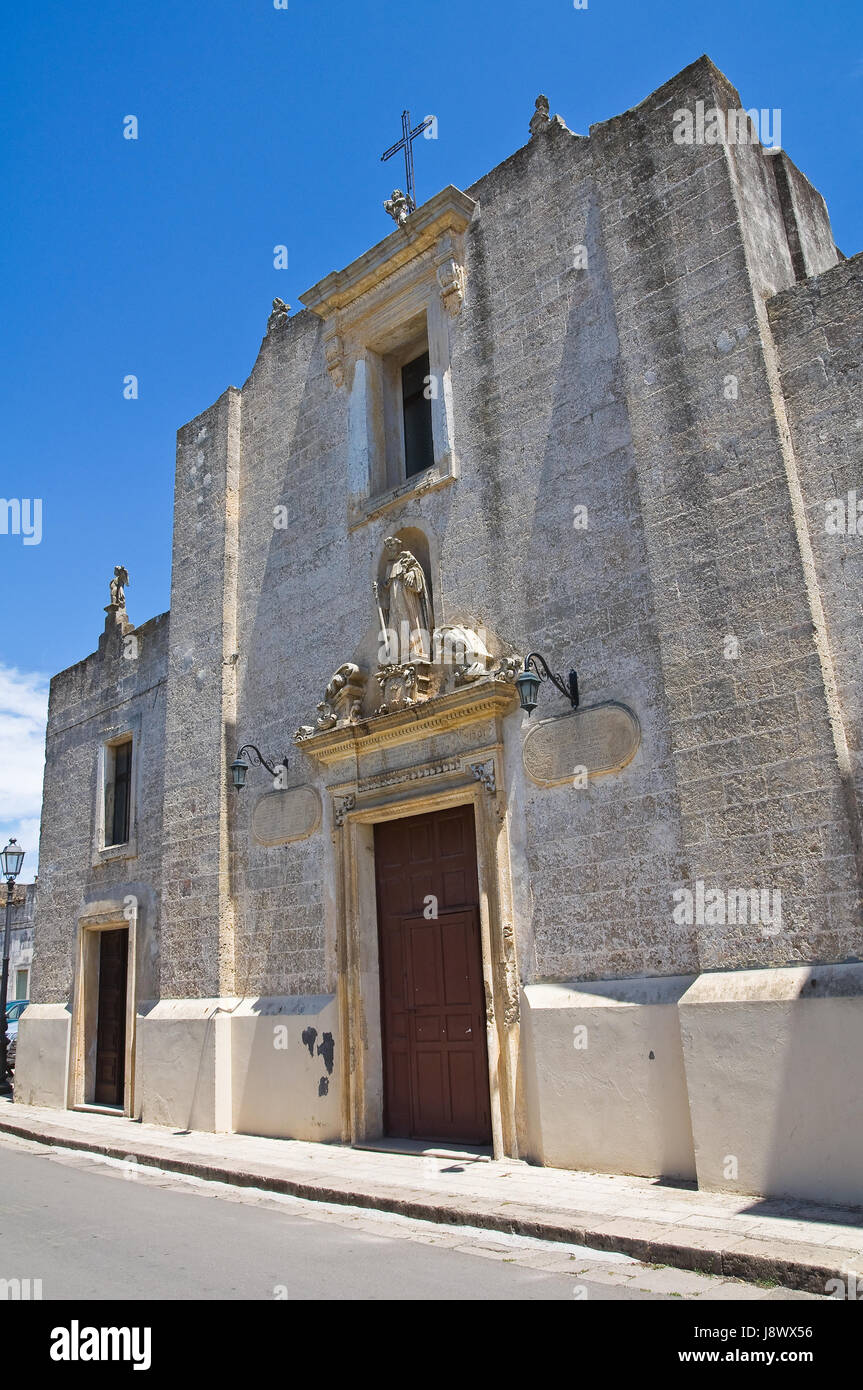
(432,995)
(111,1022)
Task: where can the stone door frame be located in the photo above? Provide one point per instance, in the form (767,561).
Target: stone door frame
(474,779)
(85,1004)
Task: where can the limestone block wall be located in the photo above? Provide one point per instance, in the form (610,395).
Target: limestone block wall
(296,605)
(818,330)
(614,285)
(695,241)
(540,430)
(197,950)
(105,694)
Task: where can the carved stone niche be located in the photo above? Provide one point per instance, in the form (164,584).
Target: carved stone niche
(399,299)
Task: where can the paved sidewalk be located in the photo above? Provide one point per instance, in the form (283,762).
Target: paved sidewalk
(794,1244)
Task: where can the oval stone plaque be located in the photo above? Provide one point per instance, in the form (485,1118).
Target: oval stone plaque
(280,817)
(601,738)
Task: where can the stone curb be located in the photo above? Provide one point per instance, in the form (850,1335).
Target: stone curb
(791,1265)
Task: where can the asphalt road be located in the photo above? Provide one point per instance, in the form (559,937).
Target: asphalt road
(93,1229)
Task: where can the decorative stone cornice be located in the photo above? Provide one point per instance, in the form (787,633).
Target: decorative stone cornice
(447,214)
(484,700)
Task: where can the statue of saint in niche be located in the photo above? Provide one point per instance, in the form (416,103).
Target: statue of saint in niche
(404,606)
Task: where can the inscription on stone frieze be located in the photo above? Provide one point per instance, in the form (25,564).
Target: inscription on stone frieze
(601,738)
(280,817)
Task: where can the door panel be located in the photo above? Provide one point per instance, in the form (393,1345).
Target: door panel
(111,1021)
(432,994)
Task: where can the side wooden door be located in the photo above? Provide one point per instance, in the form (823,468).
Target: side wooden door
(111,1019)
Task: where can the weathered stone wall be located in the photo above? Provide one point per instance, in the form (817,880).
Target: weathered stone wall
(298,608)
(695,241)
(540,428)
(627,501)
(22,931)
(818,329)
(197,952)
(105,694)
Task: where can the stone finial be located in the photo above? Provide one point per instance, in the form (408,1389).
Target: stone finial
(398,207)
(117,587)
(117,624)
(279,314)
(539,119)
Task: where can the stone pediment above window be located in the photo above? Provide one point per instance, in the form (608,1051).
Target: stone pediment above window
(388,321)
(447,214)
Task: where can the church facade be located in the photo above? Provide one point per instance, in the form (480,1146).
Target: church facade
(310,868)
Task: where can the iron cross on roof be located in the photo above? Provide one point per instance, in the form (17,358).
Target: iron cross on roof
(406,144)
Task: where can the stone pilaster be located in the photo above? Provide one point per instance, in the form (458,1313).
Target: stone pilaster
(197,946)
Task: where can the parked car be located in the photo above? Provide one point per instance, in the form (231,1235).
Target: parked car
(14,1010)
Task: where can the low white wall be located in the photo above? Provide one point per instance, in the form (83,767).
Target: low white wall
(617,1104)
(285,1067)
(182,1066)
(774,1066)
(42,1055)
(257,1066)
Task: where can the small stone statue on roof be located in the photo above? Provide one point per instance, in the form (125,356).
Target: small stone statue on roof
(117,586)
(398,207)
(540,118)
(279,314)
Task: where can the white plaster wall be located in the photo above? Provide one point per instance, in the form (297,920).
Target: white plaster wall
(220,1065)
(774,1066)
(183,1063)
(286,1085)
(42,1055)
(618,1104)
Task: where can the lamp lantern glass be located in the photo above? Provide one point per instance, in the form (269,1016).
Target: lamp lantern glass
(12,857)
(528,689)
(239,768)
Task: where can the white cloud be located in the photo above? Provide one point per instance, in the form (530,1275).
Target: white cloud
(23,713)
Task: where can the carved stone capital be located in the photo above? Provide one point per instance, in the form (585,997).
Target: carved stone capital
(334,353)
(450,273)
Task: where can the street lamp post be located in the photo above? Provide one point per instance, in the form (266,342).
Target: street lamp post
(11,860)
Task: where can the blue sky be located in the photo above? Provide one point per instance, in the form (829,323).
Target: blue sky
(260,127)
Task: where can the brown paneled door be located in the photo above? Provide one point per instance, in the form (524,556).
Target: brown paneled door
(111,1021)
(432,995)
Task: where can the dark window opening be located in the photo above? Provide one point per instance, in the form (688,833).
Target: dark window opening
(118,795)
(416,410)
